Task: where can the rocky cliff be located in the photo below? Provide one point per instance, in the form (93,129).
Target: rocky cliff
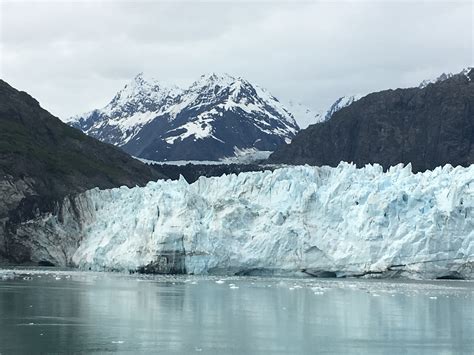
(42,160)
(427,126)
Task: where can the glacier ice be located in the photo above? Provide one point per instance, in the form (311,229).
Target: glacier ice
(341,221)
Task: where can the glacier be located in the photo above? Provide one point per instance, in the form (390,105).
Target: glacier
(300,220)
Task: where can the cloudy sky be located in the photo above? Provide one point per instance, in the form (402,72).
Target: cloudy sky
(74,55)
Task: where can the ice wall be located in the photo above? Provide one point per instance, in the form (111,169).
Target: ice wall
(317,220)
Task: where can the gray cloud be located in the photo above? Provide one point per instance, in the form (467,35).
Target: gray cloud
(73,56)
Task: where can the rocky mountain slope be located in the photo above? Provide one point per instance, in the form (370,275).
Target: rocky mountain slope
(42,160)
(442,77)
(214,117)
(428,127)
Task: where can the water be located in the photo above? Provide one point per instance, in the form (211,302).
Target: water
(70,311)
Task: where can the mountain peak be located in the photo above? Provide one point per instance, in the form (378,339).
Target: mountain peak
(142,88)
(468,72)
(141,82)
(217,113)
(340,103)
(215,79)
(219,77)
(140,77)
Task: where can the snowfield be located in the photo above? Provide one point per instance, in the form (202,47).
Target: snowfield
(327,221)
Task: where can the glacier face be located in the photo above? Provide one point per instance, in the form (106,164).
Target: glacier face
(343,220)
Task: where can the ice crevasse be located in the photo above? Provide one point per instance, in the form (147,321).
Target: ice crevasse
(311,220)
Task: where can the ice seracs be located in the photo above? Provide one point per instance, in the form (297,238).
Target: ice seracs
(304,220)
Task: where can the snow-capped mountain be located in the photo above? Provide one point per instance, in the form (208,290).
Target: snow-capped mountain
(212,119)
(304,115)
(445,76)
(340,103)
(138,103)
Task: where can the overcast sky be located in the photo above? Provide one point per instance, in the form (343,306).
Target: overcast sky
(74,56)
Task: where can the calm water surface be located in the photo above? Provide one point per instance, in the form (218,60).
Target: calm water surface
(69,311)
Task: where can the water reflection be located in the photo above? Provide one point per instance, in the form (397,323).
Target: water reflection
(79,312)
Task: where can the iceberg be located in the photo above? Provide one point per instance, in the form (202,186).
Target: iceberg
(300,220)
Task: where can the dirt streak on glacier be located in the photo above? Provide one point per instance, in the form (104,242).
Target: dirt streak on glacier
(302,220)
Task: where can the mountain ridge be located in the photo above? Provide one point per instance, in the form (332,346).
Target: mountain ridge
(216,114)
(427,127)
(43,160)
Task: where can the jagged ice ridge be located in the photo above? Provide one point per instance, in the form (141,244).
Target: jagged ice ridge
(344,220)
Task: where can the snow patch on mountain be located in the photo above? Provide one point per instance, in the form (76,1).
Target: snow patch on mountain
(138,103)
(343,220)
(340,103)
(304,115)
(445,76)
(200,128)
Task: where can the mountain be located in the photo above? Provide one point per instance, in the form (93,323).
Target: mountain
(304,115)
(443,77)
(339,104)
(138,103)
(42,160)
(212,119)
(427,127)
